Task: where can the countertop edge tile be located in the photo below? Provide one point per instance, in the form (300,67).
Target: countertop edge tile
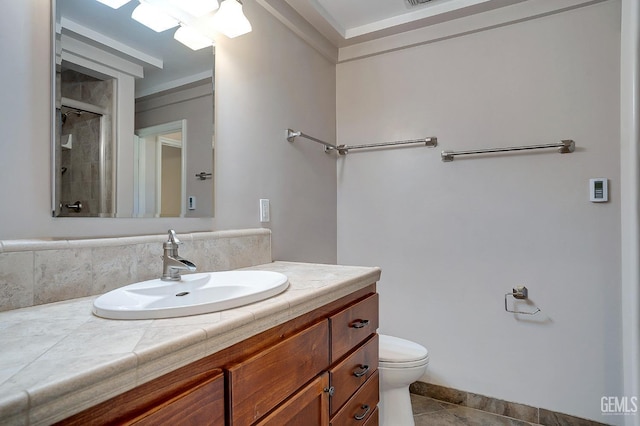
(154,352)
(169,362)
(238,334)
(14,409)
(50,404)
(228,323)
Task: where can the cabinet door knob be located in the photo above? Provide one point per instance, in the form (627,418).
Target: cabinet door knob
(359,323)
(366,409)
(362,371)
(330,390)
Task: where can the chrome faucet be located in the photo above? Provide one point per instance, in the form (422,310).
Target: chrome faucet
(172,263)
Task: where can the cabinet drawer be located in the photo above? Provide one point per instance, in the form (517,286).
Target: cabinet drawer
(352,372)
(260,383)
(200,405)
(353,325)
(360,407)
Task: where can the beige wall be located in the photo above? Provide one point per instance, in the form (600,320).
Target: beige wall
(171,178)
(453,238)
(268,80)
(193,104)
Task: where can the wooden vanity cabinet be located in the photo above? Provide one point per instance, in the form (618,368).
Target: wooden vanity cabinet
(282,376)
(270,379)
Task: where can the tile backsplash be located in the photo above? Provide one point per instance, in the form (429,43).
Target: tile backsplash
(35,272)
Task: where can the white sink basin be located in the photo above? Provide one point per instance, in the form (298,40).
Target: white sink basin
(194,294)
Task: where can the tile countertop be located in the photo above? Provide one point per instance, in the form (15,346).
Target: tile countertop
(59,359)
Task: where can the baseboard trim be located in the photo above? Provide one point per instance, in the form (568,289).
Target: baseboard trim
(514,410)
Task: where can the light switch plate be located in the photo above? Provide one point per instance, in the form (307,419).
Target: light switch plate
(264,210)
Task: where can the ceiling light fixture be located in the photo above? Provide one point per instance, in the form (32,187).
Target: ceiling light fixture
(153,17)
(230,21)
(114,3)
(192,38)
(196,8)
(199,22)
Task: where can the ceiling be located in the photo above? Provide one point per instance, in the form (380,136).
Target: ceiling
(342,22)
(346,22)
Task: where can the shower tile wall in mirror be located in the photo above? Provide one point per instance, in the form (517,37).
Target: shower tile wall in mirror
(133,117)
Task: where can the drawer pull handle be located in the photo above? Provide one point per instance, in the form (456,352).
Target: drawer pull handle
(359,324)
(363,370)
(366,409)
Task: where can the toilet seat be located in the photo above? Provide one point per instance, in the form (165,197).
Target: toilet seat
(395,352)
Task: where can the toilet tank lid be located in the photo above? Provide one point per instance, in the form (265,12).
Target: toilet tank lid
(395,349)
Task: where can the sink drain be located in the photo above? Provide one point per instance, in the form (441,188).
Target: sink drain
(183,293)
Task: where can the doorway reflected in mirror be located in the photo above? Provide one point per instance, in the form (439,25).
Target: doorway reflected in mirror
(159,170)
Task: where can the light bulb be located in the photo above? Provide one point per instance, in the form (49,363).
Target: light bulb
(196,8)
(192,38)
(230,21)
(153,17)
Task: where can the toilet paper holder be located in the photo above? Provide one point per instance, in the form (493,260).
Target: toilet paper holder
(521,293)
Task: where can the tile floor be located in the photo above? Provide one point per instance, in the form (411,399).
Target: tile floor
(431,412)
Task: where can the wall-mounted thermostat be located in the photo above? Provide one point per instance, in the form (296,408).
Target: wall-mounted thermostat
(598,190)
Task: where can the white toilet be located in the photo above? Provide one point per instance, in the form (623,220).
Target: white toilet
(402,362)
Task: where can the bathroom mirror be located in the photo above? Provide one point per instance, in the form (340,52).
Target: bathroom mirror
(116,82)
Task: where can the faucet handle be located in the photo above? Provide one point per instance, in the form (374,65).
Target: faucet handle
(173,238)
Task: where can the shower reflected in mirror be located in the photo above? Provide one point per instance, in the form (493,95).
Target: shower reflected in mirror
(83,150)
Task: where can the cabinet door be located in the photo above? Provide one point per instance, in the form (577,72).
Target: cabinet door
(353,325)
(308,407)
(178,398)
(361,405)
(351,373)
(258,384)
(200,405)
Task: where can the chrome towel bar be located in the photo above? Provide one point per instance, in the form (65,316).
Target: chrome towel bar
(565,147)
(292,135)
(344,149)
(430,141)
